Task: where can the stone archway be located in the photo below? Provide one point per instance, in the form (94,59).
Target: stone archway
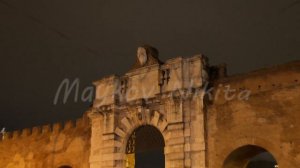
(112,126)
(250,156)
(145,148)
(131,123)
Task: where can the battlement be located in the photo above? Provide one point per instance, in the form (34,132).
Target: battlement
(54,128)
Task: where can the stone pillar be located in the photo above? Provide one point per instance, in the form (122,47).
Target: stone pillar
(110,154)
(174,149)
(185,146)
(197,131)
(96,140)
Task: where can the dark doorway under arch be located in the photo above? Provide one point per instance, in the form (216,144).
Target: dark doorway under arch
(250,156)
(146,145)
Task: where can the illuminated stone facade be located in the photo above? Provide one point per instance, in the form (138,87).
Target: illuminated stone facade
(184,99)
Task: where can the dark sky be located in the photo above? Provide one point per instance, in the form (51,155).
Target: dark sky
(43,42)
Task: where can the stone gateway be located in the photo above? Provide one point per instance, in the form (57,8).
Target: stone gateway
(181,113)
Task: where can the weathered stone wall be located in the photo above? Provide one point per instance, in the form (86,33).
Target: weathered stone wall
(200,129)
(48,146)
(268,119)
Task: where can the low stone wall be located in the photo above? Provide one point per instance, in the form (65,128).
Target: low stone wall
(49,146)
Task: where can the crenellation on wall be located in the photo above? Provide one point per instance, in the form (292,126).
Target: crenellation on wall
(57,127)
(46,129)
(16,134)
(47,146)
(69,125)
(26,132)
(36,130)
(54,128)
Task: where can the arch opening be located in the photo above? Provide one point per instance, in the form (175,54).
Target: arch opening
(145,148)
(250,156)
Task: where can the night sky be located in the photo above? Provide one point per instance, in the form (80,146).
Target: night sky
(43,42)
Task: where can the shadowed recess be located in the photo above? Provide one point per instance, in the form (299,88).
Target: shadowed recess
(250,156)
(149,148)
